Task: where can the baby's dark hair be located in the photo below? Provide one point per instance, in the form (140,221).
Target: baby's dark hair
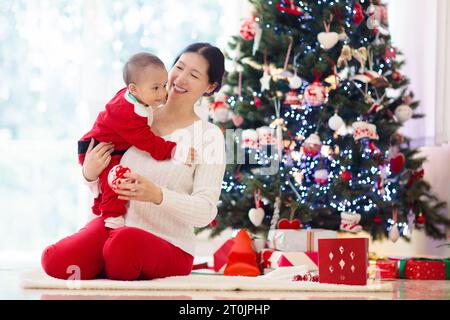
(215,58)
(136,63)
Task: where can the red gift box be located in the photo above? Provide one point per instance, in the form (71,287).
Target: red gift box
(387,269)
(425,269)
(343,261)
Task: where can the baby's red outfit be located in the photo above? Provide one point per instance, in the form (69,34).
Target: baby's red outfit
(124,122)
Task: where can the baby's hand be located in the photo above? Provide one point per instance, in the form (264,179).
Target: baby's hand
(192,157)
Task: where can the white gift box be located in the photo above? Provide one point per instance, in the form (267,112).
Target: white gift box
(304,240)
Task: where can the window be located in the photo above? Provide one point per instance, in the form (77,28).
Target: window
(60,62)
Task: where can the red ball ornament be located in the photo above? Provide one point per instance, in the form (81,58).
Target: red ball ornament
(390,53)
(346,175)
(115,175)
(257,101)
(248,29)
(213,224)
(396,76)
(358,16)
(420,220)
(315,94)
(312,145)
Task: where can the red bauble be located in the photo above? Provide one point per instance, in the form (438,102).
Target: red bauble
(358,17)
(390,53)
(115,175)
(248,29)
(257,101)
(346,175)
(289,224)
(396,76)
(420,220)
(213,224)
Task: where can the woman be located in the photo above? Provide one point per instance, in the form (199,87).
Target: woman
(167,199)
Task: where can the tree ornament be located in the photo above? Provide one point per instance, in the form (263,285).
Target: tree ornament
(250,139)
(248,29)
(288,6)
(343,35)
(257,40)
(358,15)
(237,120)
(396,76)
(312,145)
(328,39)
(220,111)
(335,122)
(420,220)
(291,223)
(394,233)
(396,163)
(256,215)
(321,176)
(315,94)
(292,99)
(345,56)
(345,175)
(295,81)
(416,175)
(403,113)
(116,176)
(266,136)
(213,224)
(276,213)
(361,56)
(390,53)
(298,176)
(411,217)
(265,80)
(257,101)
(362,129)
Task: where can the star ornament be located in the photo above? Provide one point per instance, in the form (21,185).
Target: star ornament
(265,81)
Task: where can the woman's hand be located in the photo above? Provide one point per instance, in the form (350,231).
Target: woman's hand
(136,187)
(97,159)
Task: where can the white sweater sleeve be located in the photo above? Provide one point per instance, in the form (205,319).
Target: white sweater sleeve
(200,207)
(93,186)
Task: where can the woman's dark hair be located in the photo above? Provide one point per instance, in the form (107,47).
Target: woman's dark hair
(215,59)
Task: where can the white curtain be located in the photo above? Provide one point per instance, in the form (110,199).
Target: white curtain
(443,73)
(421,30)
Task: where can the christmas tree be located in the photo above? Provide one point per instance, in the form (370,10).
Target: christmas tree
(311,112)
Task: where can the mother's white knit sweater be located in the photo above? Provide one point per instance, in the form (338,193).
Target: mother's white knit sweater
(190,194)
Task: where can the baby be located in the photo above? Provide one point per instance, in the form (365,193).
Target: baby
(126,122)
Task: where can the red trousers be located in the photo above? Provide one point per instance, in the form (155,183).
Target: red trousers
(125,253)
(107,201)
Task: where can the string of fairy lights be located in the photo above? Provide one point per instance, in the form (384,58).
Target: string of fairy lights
(300,118)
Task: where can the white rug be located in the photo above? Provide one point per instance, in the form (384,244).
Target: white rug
(39,280)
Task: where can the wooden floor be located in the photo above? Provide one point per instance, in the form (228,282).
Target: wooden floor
(402,290)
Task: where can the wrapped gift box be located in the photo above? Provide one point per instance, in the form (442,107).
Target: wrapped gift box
(343,261)
(383,269)
(303,240)
(425,269)
(289,259)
